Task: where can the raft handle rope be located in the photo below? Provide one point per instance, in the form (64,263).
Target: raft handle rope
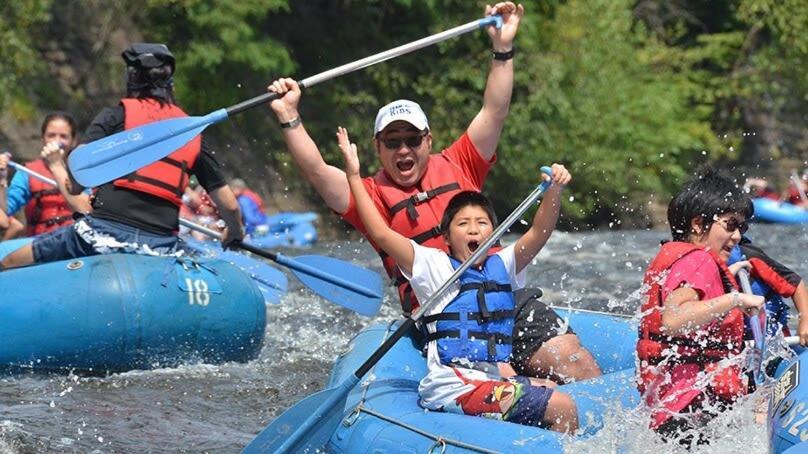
(439,440)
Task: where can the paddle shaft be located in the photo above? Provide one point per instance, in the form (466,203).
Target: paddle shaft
(286,261)
(435,298)
(338,395)
(30,172)
(371,60)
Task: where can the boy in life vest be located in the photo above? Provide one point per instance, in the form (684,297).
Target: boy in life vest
(774,281)
(139,213)
(692,326)
(469,330)
(48,208)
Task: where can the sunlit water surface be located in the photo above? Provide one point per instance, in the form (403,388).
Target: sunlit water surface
(199,408)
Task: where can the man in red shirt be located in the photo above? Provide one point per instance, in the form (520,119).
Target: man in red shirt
(414,186)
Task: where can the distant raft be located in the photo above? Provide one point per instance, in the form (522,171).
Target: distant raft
(382,412)
(117,312)
(288,229)
(768,210)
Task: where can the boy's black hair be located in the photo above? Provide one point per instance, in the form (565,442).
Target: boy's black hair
(64,116)
(707,195)
(463,199)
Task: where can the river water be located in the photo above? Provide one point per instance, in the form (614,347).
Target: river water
(219,408)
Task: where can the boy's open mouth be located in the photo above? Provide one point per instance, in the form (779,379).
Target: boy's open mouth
(473,245)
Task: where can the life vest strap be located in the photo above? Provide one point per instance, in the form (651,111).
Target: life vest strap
(493,339)
(456,316)
(482,288)
(688,343)
(410,202)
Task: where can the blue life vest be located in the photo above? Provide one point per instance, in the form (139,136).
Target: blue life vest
(776,308)
(477,325)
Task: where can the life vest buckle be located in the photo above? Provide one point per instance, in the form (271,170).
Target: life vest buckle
(421,197)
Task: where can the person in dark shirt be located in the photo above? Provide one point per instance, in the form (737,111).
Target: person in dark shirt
(138,213)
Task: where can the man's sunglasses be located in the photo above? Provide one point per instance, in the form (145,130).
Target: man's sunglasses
(411,141)
(733,224)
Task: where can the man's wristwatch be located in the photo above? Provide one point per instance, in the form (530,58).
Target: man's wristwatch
(504,56)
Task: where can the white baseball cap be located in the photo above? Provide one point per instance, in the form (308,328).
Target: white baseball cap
(403,110)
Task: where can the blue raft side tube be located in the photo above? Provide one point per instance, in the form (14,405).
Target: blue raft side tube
(393,393)
(767,210)
(788,407)
(119,312)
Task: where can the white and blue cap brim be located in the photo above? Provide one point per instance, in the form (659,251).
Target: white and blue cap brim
(401,110)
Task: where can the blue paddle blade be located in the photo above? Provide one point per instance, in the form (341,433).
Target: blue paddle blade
(307,426)
(366,296)
(120,154)
(271,282)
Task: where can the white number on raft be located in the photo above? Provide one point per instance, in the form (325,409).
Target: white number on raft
(198,292)
(794,429)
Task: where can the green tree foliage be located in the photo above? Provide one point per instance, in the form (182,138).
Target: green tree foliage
(19,56)
(630,95)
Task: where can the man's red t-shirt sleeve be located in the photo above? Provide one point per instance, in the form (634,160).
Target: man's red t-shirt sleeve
(462,153)
(698,271)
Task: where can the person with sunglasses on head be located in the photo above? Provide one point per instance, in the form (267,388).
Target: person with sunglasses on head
(693,315)
(139,213)
(414,186)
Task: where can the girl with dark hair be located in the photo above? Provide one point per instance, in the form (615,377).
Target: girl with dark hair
(692,327)
(138,213)
(469,330)
(48,208)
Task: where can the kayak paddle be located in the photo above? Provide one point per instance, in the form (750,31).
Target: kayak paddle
(308,425)
(119,154)
(758,322)
(338,281)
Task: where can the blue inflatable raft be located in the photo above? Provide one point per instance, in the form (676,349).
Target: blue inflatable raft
(768,210)
(788,407)
(382,412)
(118,312)
(287,229)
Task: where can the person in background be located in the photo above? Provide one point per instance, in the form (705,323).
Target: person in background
(414,186)
(797,191)
(469,329)
(48,208)
(138,213)
(774,281)
(760,188)
(252,208)
(693,315)
(200,209)
(9,226)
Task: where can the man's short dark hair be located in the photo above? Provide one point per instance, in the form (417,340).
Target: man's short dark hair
(707,195)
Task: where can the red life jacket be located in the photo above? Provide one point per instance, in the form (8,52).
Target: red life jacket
(47,209)
(168,177)
(416,213)
(255,198)
(712,343)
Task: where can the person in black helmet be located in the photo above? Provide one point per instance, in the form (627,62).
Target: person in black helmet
(138,213)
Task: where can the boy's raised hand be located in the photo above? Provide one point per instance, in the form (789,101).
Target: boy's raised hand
(561,176)
(348,152)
